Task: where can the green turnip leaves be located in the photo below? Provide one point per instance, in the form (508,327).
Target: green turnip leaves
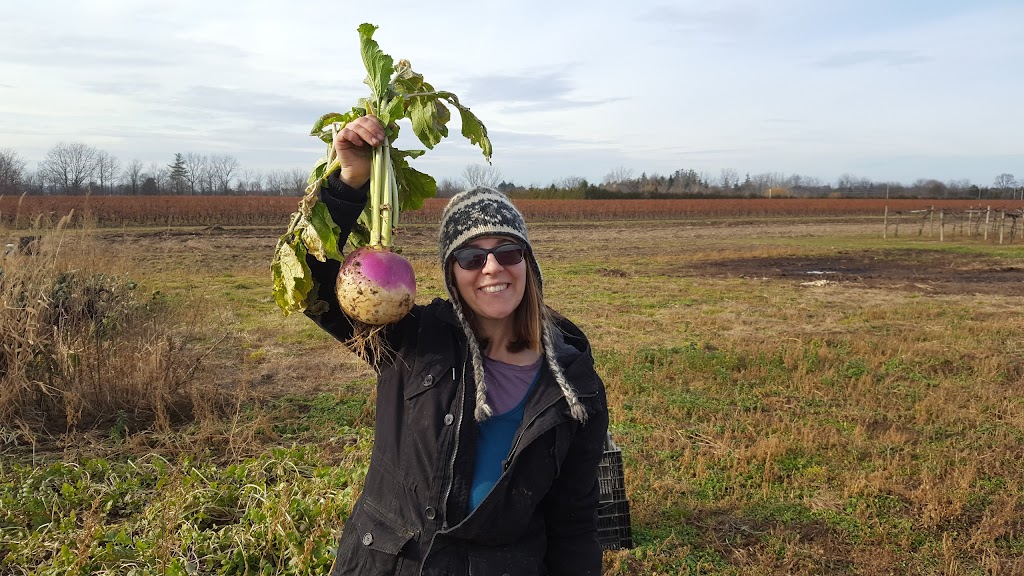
(379,66)
(397,93)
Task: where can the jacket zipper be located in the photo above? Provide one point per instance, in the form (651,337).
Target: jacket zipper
(511,453)
(455,450)
(515,445)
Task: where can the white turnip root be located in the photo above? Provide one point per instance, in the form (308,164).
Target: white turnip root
(376,286)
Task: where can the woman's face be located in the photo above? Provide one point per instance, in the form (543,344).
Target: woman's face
(494,291)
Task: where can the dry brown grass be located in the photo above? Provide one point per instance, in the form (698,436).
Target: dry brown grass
(82,344)
(861,427)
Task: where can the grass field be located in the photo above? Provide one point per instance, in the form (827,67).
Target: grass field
(791,397)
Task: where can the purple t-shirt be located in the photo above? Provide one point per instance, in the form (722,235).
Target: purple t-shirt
(507,387)
(507,384)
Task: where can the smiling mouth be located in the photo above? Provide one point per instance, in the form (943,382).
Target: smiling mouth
(495,288)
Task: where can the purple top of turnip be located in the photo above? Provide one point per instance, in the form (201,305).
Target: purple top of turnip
(383,268)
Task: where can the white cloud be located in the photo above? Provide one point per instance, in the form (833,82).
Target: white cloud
(569,88)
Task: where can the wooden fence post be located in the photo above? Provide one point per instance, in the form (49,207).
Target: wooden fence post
(942,225)
(885,224)
(1002,219)
(988,211)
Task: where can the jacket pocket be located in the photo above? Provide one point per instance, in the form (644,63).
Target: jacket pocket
(371,543)
(426,379)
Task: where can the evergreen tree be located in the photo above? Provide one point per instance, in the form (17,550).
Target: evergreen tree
(177,174)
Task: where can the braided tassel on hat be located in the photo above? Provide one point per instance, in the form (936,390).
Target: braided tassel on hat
(481,212)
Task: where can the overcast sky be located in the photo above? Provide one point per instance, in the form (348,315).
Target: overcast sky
(883,89)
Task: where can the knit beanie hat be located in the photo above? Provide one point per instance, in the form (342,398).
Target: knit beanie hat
(478,212)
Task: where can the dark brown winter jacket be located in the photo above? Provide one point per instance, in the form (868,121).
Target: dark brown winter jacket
(539,518)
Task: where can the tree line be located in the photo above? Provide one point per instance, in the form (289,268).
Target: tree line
(688,183)
(75,168)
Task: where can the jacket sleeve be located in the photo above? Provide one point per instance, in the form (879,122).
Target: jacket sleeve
(570,507)
(344,204)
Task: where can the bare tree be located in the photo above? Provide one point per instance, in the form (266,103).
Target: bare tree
(250,182)
(572,183)
(806,181)
(930,188)
(297,179)
(275,183)
(33,183)
(728,178)
(447,188)
(617,175)
(107,168)
(854,185)
(958,187)
(222,168)
(481,175)
(207,179)
(69,166)
(195,171)
(12,171)
(846,181)
(132,176)
(762,183)
(160,174)
(1004,181)
(620,179)
(294,182)
(287,182)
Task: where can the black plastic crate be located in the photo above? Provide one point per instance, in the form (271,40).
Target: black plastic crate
(614,530)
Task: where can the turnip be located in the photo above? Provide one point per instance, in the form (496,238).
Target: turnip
(376,286)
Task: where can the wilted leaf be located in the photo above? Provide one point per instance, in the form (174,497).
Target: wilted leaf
(321,234)
(292,277)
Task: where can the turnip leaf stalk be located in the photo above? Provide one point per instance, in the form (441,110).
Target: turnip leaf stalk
(396,93)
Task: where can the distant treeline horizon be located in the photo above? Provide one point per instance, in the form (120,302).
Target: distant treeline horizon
(73,169)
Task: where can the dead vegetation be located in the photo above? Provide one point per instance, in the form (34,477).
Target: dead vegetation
(82,344)
(871,425)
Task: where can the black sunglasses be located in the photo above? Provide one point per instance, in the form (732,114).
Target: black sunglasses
(476,258)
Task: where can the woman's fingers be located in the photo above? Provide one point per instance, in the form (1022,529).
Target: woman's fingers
(354,144)
(361,131)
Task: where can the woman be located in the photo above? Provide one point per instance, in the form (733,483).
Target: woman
(490,418)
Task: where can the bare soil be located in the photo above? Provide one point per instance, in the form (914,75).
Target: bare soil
(699,250)
(910,270)
(702,250)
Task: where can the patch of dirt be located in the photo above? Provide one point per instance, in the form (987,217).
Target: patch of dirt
(929,272)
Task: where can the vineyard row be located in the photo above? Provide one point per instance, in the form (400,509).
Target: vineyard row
(119,211)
